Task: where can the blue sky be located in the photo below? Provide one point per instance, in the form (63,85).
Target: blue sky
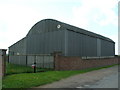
(18,16)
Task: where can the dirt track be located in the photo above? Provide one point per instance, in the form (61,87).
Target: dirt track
(83,80)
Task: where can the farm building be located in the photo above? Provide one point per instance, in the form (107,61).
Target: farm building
(48,36)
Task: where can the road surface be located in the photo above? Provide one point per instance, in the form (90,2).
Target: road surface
(103,78)
(110,81)
(0,72)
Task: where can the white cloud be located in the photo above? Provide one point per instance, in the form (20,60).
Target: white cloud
(101,13)
(17,17)
(15,22)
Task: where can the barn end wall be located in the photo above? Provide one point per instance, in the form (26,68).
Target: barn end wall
(76,63)
(46,43)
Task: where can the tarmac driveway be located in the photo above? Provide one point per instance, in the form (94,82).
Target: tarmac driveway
(93,79)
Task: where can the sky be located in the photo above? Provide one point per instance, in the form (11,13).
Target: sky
(18,16)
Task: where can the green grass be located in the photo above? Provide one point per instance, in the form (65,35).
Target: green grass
(27,80)
(17,69)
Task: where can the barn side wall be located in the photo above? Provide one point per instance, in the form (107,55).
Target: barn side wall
(107,48)
(81,45)
(78,44)
(76,63)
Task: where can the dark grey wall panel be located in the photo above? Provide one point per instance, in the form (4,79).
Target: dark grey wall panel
(45,43)
(89,46)
(18,48)
(81,45)
(98,47)
(107,48)
(66,42)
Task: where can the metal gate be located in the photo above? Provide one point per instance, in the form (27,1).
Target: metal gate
(42,60)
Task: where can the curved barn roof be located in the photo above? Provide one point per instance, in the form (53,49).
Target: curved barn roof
(49,25)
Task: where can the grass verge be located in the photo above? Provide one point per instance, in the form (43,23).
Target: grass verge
(27,80)
(17,69)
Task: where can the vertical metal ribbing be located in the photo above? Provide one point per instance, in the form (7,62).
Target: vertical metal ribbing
(98,47)
(26,60)
(66,42)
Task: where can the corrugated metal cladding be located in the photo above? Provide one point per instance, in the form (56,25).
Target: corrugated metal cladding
(18,48)
(50,35)
(81,45)
(107,48)
(46,25)
(46,43)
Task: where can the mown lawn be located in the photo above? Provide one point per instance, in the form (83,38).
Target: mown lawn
(28,80)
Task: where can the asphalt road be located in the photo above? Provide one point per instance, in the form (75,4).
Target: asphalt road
(103,78)
(110,81)
(0,72)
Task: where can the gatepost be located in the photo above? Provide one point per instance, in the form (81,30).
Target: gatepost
(2,65)
(56,59)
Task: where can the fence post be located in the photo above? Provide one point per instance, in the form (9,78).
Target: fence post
(43,61)
(35,64)
(56,60)
(26,60)
(2,65)
(2,62)
(8,58)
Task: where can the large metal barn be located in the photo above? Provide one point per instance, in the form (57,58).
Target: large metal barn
(48,36)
